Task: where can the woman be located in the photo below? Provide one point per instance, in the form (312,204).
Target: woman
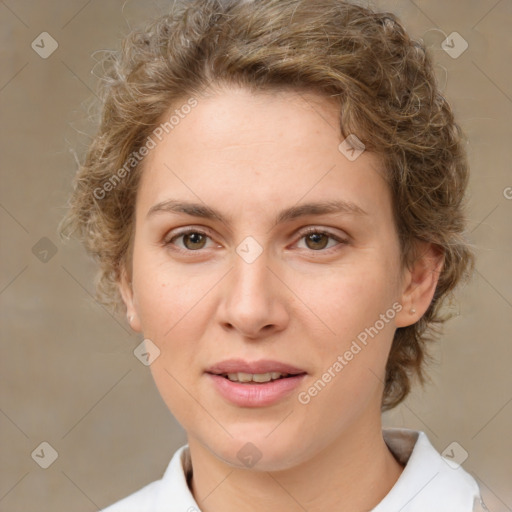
(275,197)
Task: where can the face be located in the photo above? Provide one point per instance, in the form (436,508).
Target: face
(253,281)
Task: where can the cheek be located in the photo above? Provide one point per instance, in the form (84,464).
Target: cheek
(164,295)
(176,387)
(173,307)
(171,311)
(349,298)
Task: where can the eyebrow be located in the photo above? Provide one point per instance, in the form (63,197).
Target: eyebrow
(294,212)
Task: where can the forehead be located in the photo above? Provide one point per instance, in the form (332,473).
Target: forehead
(232,116)
(264,148)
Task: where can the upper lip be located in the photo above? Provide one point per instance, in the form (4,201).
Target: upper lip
(261,366)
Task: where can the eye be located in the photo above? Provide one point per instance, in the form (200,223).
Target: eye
(317,239)
(192,240)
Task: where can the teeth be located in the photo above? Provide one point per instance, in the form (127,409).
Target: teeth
(244,377)
(255,377)
(262,377)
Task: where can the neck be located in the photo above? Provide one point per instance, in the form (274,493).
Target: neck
(356,471)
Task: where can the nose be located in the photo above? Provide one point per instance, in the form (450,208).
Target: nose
(253,299)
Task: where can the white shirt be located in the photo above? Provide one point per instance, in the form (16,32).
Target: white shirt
(429,482)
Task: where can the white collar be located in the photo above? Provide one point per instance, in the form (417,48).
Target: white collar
(427,482)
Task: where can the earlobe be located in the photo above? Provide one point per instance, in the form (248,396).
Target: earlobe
(126,291)
(419,283)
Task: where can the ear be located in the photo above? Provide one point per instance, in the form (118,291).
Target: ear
(419,283)
(126,291)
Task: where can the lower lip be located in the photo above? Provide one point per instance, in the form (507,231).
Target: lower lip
(255,395)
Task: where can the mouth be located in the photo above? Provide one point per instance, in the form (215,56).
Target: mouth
(264,370)
(255,384)
(256,378)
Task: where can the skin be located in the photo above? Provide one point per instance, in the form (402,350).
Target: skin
(301,301)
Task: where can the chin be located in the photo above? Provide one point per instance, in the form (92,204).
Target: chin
(259,451)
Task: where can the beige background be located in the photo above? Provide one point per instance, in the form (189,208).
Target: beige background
(69,376)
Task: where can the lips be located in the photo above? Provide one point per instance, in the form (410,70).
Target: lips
(256,367)
(247,384)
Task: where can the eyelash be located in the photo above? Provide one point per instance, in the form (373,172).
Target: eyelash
(312,230)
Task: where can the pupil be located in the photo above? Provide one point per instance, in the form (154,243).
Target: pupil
(314,238)
(194,238)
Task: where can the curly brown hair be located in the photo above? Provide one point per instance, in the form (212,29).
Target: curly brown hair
(387,93)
